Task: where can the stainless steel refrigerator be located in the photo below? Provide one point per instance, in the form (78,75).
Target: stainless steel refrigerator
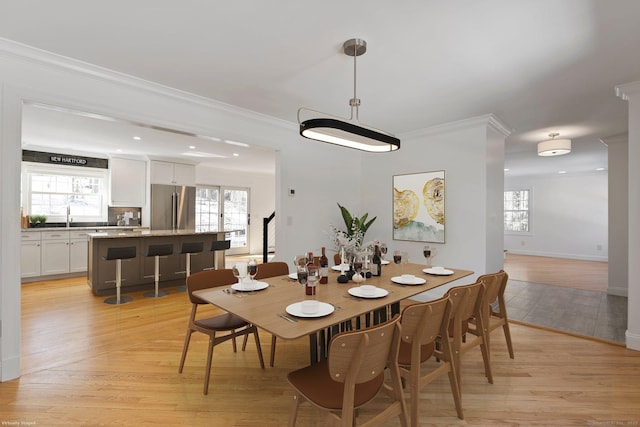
(173,207)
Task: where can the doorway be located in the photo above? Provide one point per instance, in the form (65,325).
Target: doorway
(225,208)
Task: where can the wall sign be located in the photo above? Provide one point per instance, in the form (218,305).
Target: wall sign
(64,159)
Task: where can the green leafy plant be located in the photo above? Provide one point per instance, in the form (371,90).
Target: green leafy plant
(356,226)
(38,219)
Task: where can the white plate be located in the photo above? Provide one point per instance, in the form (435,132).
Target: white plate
(293,276)
(337,268)
(438,272)
(248,287)
(357,292)
(385,262)
(402,281)
(295,309)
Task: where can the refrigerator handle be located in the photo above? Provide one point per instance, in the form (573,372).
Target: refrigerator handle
(174,208)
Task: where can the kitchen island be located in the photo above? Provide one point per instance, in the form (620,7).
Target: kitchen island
(138,272)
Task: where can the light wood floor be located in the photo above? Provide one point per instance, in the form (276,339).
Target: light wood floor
(571,273)
(85,363)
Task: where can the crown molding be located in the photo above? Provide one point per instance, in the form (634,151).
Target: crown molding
(488,120)
(22,52)
(625,90)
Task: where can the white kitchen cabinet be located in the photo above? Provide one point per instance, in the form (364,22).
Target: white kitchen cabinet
(55,252)
(128,182)
(172,173)
(78,251)
(30,254)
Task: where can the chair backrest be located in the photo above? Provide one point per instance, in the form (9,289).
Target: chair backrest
(360,356)
(191,247)
(208,279)
(495,284)
(425,322)
(466,300)
(272,269)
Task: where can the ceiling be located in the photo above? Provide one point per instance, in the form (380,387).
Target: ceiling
(541,66)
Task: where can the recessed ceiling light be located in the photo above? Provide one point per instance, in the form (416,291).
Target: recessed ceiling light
(137,138)
(236,155)
(506,169)
(599,169)
(239,144)
(562,171)
(192,147)
(201,154)
(119,150)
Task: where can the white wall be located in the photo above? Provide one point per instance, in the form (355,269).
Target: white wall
(262,202)
(618,155)
(569,217)
(467,151)
(631,93)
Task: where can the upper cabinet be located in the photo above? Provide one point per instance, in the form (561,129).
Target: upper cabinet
(172,173)
(128,182)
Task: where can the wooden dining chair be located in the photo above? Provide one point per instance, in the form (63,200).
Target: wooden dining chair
(495,309)
(467,304)
(423,325)
(266,270)
(228,323)
(353,375)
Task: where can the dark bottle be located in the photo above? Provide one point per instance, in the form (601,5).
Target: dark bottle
(376,262)
(324,267)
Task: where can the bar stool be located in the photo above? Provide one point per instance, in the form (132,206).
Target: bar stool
(187,249)
(216,246)
(118,254)
(157,251)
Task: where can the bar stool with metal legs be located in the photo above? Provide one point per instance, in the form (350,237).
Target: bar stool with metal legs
(118,254)
(157,251)
(217,246)
(187,249)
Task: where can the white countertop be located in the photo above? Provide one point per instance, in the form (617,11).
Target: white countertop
(97,227)
(113,234)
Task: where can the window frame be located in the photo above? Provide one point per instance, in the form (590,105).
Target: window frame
(29,168)
(529,211)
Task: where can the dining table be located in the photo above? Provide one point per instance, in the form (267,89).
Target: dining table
(274,304)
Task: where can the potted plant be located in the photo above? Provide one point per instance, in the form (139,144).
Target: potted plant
(351,240)
(38,220)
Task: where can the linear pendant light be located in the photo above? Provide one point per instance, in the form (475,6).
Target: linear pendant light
(348,132)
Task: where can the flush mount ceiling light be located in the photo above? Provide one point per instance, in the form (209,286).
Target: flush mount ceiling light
(553,146)
(348,132)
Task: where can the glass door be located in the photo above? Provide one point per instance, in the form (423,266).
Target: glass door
(235,216)
(207,208)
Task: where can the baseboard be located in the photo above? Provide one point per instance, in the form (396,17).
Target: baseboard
(558,255)
(633,340)
(618,291)
(10,369)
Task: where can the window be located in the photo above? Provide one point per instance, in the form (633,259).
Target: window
(51,189)
(207,208)
(516,211)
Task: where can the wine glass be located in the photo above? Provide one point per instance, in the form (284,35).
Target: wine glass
(426,251)
(366,266)
(303,274)
(252,269)
(383,250)
(313,276)
(397,258)
(299,260)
